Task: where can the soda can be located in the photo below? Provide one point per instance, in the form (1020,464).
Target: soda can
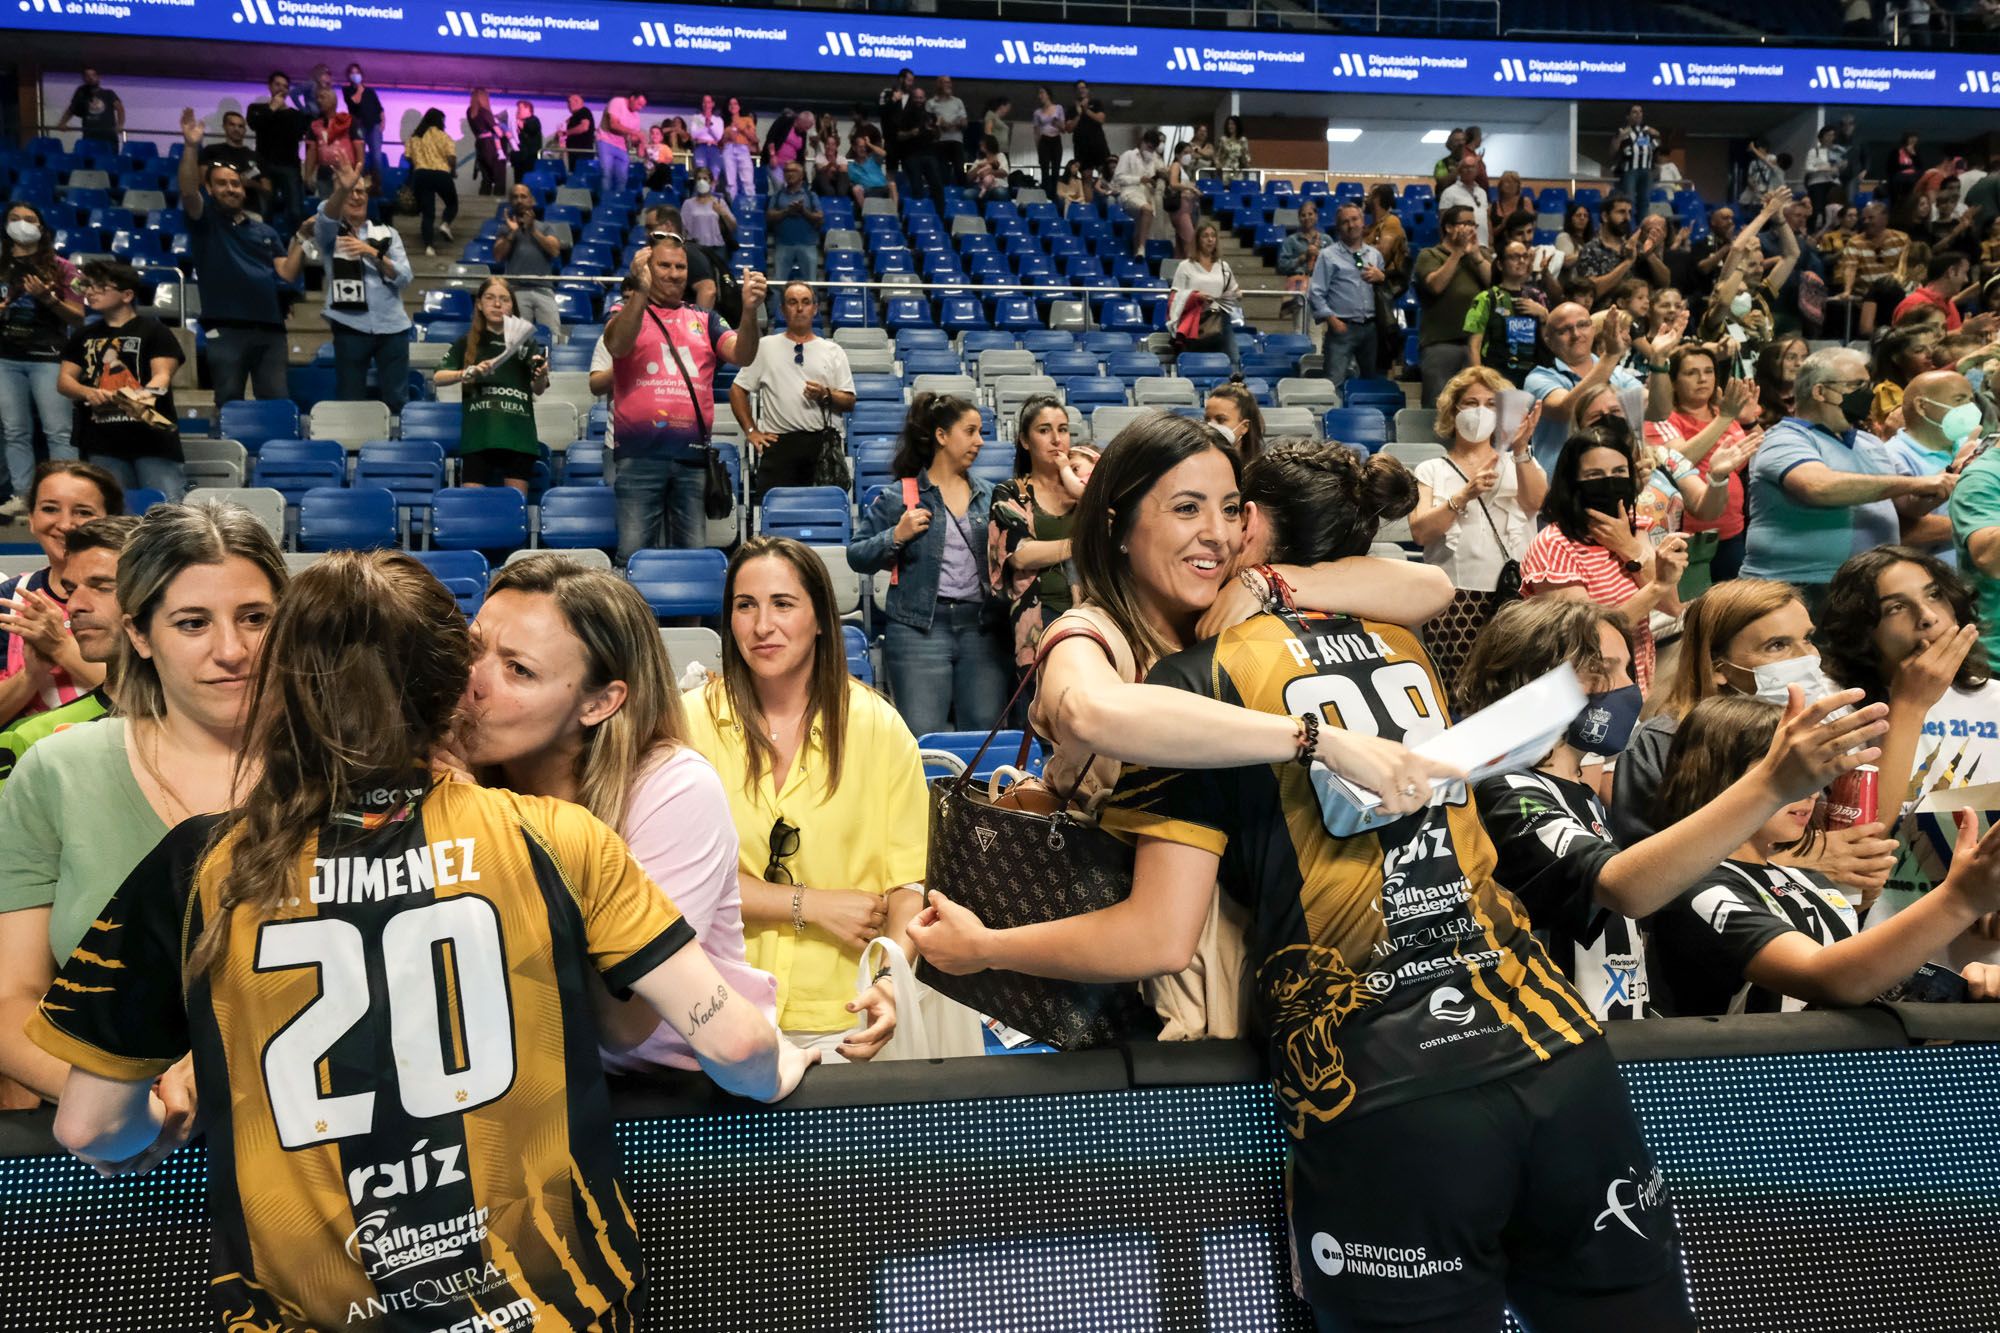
(1850,799)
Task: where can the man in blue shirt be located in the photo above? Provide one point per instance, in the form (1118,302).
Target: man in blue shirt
(366,271)
(1940,415)
(1819,488)
(1342,297)
(1574,374)
(240,264)
(794,216)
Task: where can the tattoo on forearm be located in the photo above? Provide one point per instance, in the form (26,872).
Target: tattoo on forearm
(700,1014)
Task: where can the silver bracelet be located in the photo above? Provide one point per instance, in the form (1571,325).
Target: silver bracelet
(799,911)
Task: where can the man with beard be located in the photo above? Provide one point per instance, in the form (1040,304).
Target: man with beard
(1609,256)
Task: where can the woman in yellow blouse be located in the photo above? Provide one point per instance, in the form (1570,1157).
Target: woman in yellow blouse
(433,159)
(827,792)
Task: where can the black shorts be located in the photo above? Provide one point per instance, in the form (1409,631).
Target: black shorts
(494,467)
(1535,1191)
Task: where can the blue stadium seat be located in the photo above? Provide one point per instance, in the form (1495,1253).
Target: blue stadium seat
(903,312)
(574,517)
(815,515)
(1386,394)
(1129,366)
(1203,365)
(141,498)
(1069,364)
(964,745)
(489,518)
(859,664)
(872,460)
(335,519)
(449,303)
(931,361)
(428,421)
(463,572)
(1095,391)
(881,388)
(1364,426)
(583,464)
(411,470)
(679,583)
(251,422)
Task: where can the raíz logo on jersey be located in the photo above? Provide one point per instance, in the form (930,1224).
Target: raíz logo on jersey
(391,1180)
(384,1250)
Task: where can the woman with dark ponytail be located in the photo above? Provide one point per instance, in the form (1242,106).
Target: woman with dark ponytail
(946,657)
(1356,944)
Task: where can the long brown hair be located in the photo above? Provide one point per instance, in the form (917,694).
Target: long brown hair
(1132,464)
(1716,617)
(1234,391)
(476,334)
(1529,638)
(1853,610)
(826,697)
(361,675)
(165,543)
(621,641)
(1716,744)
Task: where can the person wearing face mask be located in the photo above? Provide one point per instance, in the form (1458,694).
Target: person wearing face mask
(1900,627)
(1817,486)
(1527,1092)
(1940,418)
(945,657)
(39,309)
(364,104)
(1550,827)
(1232,409)
(1759,936)
(1591,548)
(1475,513)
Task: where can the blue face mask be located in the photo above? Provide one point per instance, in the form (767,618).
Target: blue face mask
(1606,722)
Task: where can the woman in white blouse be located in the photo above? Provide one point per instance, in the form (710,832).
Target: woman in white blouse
(1209,273)
(1475,481)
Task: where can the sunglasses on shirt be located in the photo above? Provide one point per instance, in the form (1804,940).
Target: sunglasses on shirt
(784,845)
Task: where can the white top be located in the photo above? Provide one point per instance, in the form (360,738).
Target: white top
(1137,170)
(950,114)
(1218,284)
(1470,552)
(1960,747)
(777,370)
(1459,195)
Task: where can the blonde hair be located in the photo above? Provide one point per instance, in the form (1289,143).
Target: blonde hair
(166,541)
(1446,424)
(621,641)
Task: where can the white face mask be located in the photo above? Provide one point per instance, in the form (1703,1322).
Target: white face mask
(1740,304)
(701,187)
(23,231)
(1476,423)
(1775,679)
(1228,433)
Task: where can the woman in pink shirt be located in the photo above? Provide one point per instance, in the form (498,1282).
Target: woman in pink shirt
(572,696)
(1700,401)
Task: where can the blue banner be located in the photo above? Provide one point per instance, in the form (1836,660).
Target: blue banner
(836,43)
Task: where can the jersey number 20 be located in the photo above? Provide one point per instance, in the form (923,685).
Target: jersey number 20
(437,1072)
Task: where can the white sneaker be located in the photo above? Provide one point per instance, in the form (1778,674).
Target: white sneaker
(445,231)
(15,507)
(430,251)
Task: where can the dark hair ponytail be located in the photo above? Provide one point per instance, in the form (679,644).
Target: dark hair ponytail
(1324,501)
(929,413)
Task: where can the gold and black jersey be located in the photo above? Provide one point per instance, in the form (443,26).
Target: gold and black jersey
(1389,965)
(408,1126)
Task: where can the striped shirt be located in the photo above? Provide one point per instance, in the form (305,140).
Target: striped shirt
(1554,561)
(1864,258)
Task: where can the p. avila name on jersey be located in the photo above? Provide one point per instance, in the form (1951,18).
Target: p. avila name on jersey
(370,879)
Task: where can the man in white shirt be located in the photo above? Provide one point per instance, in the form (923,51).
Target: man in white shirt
(1465,191)
(1136,182)
(617,134)
(949,112)
(804,379)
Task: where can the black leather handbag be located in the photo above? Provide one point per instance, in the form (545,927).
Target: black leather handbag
(1015,866)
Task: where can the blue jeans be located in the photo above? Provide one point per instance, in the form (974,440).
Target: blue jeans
(1349,354)
(788,262)
(1638,187)
(27,392)
(371,135)
(660,504)
(165,475)
(953,676)
(615,164)
(352,353)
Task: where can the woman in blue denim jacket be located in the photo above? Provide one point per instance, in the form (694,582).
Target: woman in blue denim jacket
(946,660)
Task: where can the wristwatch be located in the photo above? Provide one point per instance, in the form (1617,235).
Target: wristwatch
(1631,566)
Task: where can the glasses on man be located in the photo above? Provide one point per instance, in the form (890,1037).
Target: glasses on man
(655,237)
(798,354)
(784,845)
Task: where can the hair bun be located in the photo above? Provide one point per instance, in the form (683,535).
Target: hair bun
(1388,491)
